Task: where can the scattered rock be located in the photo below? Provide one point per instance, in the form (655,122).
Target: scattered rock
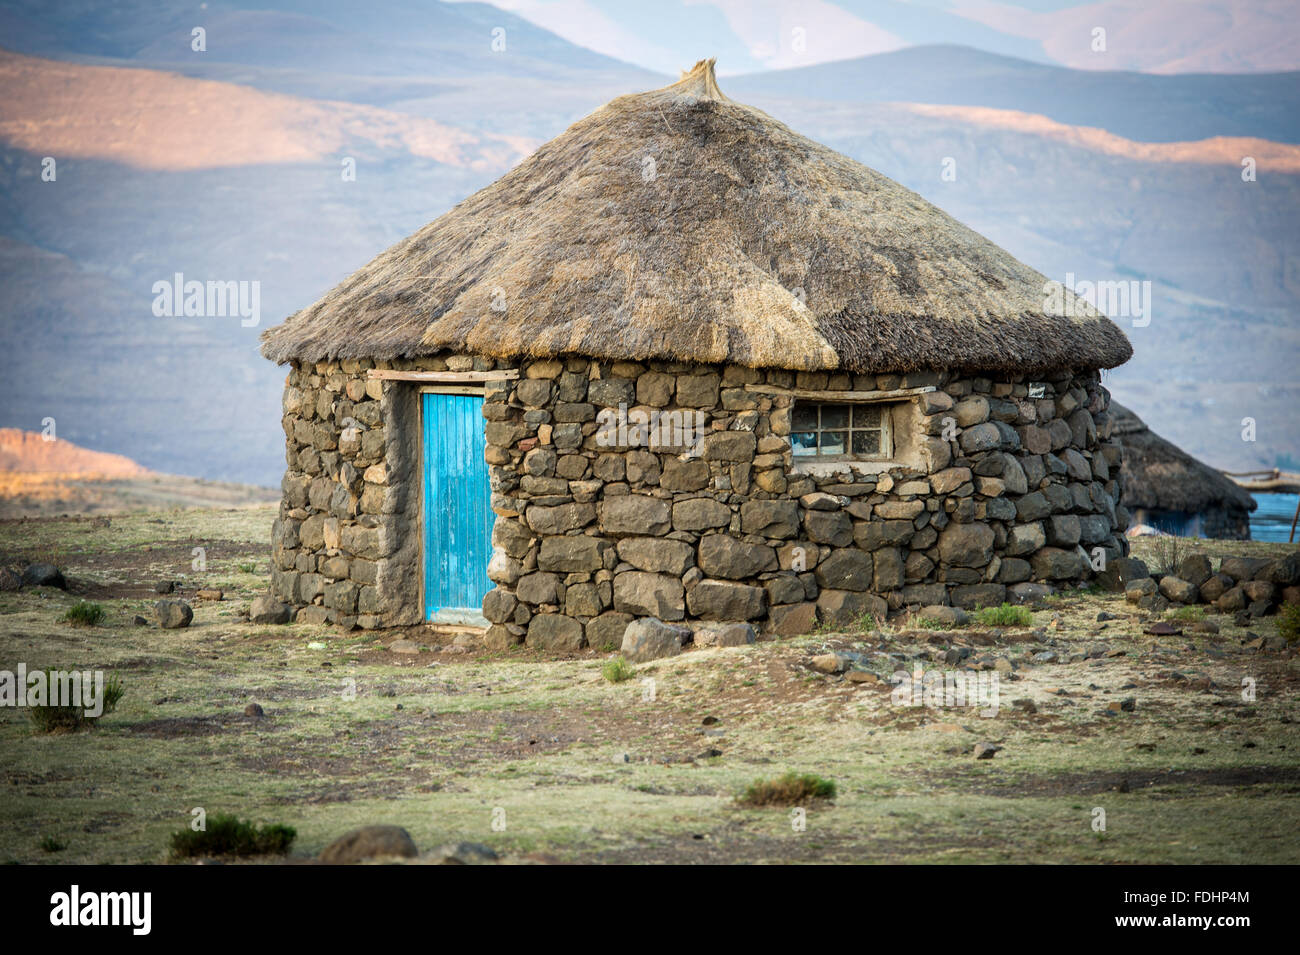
(1178,590)
(43,575)
(650,639)
(254,710)
(729,635)
(831,663)
(463,853)
(10,580)
(173,614)
(943,616)
(1162,628)
(986,750)
(1026,704)
(139,621)
(266,609)
(404,646)
(369,842)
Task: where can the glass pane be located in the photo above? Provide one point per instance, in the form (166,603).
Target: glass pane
(866,442)
(835,416)
(804,444)
(866,416)
(805,418)
(833,442)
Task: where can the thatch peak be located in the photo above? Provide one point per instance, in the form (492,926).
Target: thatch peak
(680,225)
(698,84)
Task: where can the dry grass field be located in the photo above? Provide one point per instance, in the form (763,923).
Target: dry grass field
(545,759)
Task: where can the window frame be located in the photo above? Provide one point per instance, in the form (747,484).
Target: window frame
(886,431)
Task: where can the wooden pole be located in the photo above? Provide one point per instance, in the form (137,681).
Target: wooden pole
(1291,539)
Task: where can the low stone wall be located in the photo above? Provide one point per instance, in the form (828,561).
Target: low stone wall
(996,494)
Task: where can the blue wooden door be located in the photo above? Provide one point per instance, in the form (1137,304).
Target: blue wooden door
(457,516)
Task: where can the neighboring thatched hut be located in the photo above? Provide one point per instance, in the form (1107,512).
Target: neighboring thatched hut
(728,374)
(1168,489)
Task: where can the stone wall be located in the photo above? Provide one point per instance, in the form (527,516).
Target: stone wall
(998,494)
(346,546)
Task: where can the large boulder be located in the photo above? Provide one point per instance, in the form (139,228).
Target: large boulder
(173,614)
(727,635)
(555,633)
(266,609)
(966,545)
(778,519)
(1195,569)
(726,600)
(635,515)
(1119,572)
(659,555)
(43,575)
(1178,590)
(649,595)
(847,609)
(651,639)
(721,555)
(792,620)
(370,842)
(847,569)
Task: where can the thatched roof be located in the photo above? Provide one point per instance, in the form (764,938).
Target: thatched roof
(1156,474)
(680,225)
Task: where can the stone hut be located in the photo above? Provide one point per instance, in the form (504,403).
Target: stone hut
(685,363)
(1168,489)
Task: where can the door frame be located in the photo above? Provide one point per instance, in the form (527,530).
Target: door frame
(458,616)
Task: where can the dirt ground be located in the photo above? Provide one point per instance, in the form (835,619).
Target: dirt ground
(546,760)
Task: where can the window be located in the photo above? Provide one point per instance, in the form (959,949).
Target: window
(840,431)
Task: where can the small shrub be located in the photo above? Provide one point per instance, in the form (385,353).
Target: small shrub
(227,835)
(84,614)
(70,719)
(1288,622)
(1004,616)
(616,670)
(925,623)
(248,567)
(51,844)
(792,789)
(1169,552)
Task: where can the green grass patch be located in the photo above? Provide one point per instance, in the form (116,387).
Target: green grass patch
(792,789)
(48,718)
(1288,622)
(1004,616)
(227,835)
(84,614)
(616,670)
(1188,614)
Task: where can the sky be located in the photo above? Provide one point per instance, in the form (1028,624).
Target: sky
(1160,36)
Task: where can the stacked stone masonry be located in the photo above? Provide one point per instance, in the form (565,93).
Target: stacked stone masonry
(998,494)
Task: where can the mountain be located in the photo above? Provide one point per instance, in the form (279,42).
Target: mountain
(1192,36)
(25,452)
(1137,106)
